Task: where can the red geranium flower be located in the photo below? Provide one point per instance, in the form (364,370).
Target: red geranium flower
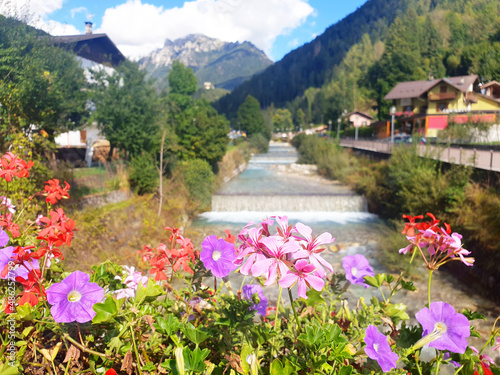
(32,288)
(6,222)
(11,165)
(54,191)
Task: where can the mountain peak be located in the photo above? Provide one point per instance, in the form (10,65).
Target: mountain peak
(225,64)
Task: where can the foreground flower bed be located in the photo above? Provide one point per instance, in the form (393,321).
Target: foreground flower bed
(182,316)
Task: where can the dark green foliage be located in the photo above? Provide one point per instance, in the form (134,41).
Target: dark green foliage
(202,133)
(40,84)
(198,178)
(143,175)
(251,120)
(182,80)
(126,109)
(298,139)
(260,143)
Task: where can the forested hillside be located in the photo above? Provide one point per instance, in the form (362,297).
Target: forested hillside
(358,60)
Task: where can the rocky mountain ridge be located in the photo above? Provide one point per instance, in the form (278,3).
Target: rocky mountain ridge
(224,64)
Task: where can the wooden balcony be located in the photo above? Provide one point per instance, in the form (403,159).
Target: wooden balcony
(442,96)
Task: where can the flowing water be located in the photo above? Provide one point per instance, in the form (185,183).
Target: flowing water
(273,184)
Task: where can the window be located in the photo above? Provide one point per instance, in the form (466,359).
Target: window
(442,89)
(440,107)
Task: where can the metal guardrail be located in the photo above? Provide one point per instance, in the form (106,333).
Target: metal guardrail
(482,159)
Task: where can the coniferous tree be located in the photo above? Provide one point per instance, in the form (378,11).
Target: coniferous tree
(250,118)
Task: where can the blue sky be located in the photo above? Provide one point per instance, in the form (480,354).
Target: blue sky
(140,26)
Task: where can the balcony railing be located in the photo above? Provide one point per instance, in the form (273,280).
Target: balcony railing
(442,96)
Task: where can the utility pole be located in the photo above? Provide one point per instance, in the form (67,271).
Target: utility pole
(393,111)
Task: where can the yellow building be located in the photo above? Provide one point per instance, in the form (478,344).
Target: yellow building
(426,106)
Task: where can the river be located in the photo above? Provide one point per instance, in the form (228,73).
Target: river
(273,184)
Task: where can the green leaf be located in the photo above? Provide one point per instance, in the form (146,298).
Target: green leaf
(313,335)
(245,351)
(314,297)
(195,334)
(346,370)
(168,325)
(277,368)
(105,311)
(170,364)
(7,369)
(389,278)
(408,285)
(193,360)
(376,280)
(152,290)
(24,312)
(472,315)
(396,312)
(333,334)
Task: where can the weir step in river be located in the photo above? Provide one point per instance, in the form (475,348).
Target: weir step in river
(267,185)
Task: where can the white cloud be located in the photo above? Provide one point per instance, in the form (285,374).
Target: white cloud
(29,8)
(137,27)
(78,10)
(35,13)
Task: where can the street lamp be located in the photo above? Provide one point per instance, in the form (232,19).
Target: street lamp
(338,129)
(330,129)
(393,111)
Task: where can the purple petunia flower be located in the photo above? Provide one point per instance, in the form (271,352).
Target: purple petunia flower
(4,238)
(7,255)
(218,256)
(356,268)
(72,299)
(249,291)
(378,348)
(444,329)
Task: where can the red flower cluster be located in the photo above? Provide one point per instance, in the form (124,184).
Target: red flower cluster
(8,225)
(441,244)
(33,289)
(58,231)
(165,261)
(11,165)
(54,191)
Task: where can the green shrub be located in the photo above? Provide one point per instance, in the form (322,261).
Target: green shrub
(198,178)
(298,139)
(143,175)
(259,142)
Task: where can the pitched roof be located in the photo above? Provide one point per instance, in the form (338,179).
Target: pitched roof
(360,113)
(414,89)
(411,89)
(492,83)
(95,47)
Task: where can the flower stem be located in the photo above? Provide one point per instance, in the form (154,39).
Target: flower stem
(438,364)
(294,311)
(429,289)
(276,321)
(135,350)
(83,348)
